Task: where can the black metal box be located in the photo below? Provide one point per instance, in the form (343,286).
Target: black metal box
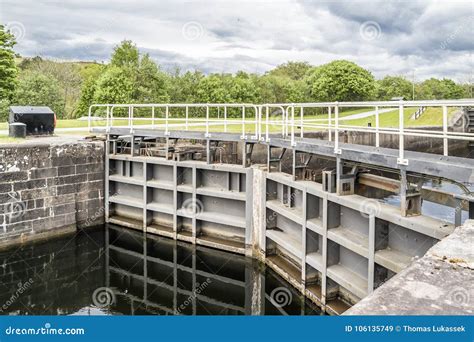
(38,120)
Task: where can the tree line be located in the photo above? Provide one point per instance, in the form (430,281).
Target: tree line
(69,88)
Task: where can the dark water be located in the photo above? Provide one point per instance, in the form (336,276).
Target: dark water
(114,271)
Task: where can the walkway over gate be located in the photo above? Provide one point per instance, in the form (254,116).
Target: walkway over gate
(300,126)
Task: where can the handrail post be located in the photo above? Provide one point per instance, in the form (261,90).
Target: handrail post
(377,134)
(243,123)
(267,130)
(445,130)
(225,119)
(301,122)
(111,117)
(207,121)
(187,118)
(330,123)
(89,123)
(283,121)
(337,150)
(401,141)
(130,118)
(108,119)
(153,117)
(166,120)
(257,121)
(293,143)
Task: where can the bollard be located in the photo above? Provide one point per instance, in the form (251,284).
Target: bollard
(17,130)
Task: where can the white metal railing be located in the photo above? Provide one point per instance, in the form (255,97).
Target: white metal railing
(249,116)
(272,120)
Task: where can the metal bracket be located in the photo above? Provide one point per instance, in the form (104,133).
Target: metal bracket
(243,137)
(207,135)
(337,151)
(167,134)
(402,161)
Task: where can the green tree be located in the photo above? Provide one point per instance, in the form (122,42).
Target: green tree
(8,70)
(114,86)
(37,89)
(211,89)
(468,88)
(434,89)
(340,80)
(151,85)
(242,88)
(182,87)
(292,70)
(125,55)
(280,89)
(28,63)
(90,74)
(394,86)
(4,109)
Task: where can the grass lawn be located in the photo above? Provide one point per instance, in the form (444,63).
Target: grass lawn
(431,117)
(6,139)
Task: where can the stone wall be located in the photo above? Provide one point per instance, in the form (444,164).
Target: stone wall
(49,188)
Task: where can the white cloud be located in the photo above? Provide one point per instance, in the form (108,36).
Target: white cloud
(433,38)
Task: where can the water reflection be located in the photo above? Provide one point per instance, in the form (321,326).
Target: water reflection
(114,271)
(162,276)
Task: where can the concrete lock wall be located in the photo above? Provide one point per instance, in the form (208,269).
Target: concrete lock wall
(48,189)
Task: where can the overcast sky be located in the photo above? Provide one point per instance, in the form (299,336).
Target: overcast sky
(434,38)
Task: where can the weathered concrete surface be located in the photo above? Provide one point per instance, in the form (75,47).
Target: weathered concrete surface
(258,211)
(440,283)
(49,187)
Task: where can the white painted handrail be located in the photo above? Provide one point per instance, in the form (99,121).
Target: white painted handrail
(253,117)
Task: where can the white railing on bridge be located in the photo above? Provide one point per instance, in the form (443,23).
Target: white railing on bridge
(257,121)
